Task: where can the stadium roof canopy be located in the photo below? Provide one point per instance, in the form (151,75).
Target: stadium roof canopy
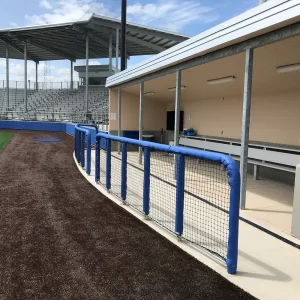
(68,40)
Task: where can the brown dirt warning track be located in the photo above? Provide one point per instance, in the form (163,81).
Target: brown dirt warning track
(61,239)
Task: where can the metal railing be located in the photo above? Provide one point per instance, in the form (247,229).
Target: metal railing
(192,193)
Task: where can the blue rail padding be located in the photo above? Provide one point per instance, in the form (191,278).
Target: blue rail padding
(146,188)
(124,172)
(108,163)
(78,146)
(88,154)
(89,125)
(82,149)
(180,166)
(75,145)
(97,161)
(234,214)
(234,183)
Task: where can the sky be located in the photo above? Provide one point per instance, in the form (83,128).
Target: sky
(189,17)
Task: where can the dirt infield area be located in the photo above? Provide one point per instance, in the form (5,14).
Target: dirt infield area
(61,239)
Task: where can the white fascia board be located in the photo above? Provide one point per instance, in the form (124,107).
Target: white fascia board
(249,24)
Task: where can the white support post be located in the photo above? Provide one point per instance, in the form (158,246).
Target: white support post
(177,117)
(36,76)
(86,73)
(25,75)
(246,125)
(296,205)
(141,121)
(110,54)
(119,116)
(71,85)
(7,77)
(117,50)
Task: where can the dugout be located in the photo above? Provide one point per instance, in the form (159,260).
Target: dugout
(237,86)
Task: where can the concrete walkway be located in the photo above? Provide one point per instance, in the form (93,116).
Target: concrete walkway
(268,268)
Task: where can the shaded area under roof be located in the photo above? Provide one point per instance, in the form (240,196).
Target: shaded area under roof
(67,41)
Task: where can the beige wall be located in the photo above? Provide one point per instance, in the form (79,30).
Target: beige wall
(154,112)
(274,118)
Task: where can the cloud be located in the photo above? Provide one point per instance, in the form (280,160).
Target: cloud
(171,14)
(63,11)
(45,4)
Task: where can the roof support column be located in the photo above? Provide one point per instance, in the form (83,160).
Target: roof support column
(71,83)
(25,75)
(177,107)
(86,73)
(117,50)
(110,54)
(119,117)
(36,76)
(141,121)
(7,77)
(246,124)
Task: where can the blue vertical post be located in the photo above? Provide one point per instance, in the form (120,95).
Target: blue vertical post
(108,164)
(75,143)
(78,146)
(82,149)
(124,172)
(146,189)
(97,160)
(234,211)
(88,153)
(180,195)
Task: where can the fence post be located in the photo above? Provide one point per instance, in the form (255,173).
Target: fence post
(88,154)
(234,211)
(78,146)
(180,195)
(108,164)
(146,188)
(124,172)
(82,149)
(97,160)
(75,144)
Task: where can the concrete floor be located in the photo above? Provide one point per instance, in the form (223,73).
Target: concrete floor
(270,203)
(268,268)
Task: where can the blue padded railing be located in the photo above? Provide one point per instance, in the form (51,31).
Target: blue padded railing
(124,168)
(82,138)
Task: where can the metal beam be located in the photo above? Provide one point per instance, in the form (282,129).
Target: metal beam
(260,41)
(246,124)
(110,55)
(25,75)
(117,50)
(17,48)
(36,76)
(145,43)
(86,72)
(55,51)
(177,108)
(119,116)
(141,121)
(7,77)
(71,85)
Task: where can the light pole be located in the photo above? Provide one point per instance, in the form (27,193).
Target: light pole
(123,35)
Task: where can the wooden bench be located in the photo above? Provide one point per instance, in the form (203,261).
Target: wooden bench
(279,157)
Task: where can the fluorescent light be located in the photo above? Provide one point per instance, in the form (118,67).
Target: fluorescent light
(288,68)
(173,89)
(221,80)
(149,93)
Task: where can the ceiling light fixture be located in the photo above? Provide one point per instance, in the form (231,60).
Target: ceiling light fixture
(221,80)
(288,68)
(148,93)
(173,89)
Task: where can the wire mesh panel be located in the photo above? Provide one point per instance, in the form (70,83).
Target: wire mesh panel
(194,194)
(206,205)
(162,189)
(135,178)
(116,168)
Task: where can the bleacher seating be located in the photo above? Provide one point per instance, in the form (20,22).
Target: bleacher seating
(56,105)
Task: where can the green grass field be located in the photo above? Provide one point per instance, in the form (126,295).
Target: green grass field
(4,139)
